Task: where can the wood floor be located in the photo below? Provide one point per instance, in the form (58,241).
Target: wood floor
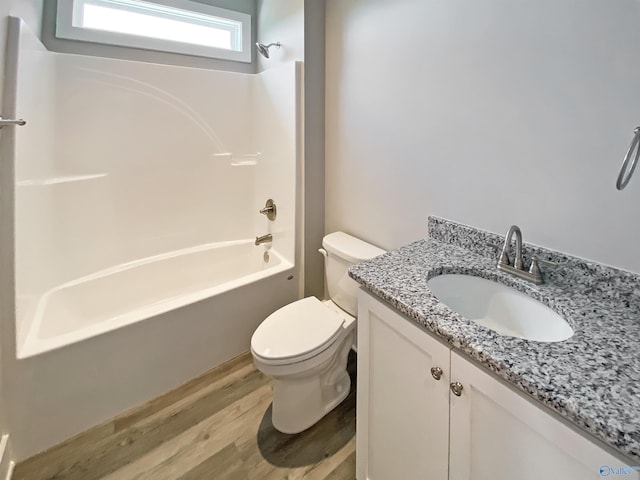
(217,426)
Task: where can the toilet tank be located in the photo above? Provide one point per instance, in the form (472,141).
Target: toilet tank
(342,251)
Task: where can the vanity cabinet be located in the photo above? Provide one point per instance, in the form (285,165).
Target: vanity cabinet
(402,420)
(412,424)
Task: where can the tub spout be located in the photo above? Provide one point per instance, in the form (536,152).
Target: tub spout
(264,239)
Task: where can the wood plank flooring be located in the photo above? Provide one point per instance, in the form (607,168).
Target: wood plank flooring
(216,427)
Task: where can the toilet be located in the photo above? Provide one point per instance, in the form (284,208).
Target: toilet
(304,346)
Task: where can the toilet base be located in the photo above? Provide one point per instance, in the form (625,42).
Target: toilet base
(300,401)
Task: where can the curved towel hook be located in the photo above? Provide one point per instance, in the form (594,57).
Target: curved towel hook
(626,171)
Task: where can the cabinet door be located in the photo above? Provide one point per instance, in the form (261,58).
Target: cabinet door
(402,410)
(499,434)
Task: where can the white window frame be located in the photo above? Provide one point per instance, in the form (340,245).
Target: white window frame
(241,40)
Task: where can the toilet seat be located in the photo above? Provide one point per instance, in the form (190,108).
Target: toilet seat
(296,332)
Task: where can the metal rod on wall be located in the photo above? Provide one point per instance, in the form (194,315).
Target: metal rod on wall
(4,122)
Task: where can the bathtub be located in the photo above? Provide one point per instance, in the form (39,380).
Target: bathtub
(117,296)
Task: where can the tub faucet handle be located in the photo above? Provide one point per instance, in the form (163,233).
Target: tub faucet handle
(269,210)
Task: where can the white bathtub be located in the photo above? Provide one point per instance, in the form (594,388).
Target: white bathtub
(134,291)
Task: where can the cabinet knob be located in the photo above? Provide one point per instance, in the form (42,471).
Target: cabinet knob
(456,388)
(436,372)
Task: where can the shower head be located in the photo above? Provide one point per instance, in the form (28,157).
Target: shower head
(264,49)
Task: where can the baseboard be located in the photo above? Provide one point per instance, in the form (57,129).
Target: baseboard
(6,462)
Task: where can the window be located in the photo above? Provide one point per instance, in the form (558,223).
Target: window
(178,26)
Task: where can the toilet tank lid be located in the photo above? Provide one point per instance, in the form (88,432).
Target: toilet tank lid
(352,249)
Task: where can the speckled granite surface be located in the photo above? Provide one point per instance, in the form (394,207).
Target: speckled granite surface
(592,379)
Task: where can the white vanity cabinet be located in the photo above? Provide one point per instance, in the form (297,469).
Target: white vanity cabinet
(402,411)
(411,424)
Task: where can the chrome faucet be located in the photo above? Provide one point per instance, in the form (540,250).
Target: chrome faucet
(517,268)
(264,239)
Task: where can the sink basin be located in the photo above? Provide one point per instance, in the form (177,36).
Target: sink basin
(500,308)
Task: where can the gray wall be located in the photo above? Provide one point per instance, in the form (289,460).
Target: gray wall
(314,181)
(490,113)
(111,51)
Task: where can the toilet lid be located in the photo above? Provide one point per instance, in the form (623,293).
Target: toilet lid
(296,331)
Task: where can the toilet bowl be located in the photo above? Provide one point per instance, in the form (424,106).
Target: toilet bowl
(304,346)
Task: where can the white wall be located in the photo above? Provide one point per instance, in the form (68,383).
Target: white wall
(489,113)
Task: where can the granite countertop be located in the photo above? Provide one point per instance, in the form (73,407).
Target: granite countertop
(592,379)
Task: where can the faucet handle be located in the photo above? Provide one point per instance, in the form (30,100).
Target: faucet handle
(504,258)
(534,270)
(549,263)
(269,210)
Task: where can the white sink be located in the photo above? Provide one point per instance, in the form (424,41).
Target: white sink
(500,308)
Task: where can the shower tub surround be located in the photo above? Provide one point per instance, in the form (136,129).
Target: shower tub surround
(120,164)
(135,190)
(591,379)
